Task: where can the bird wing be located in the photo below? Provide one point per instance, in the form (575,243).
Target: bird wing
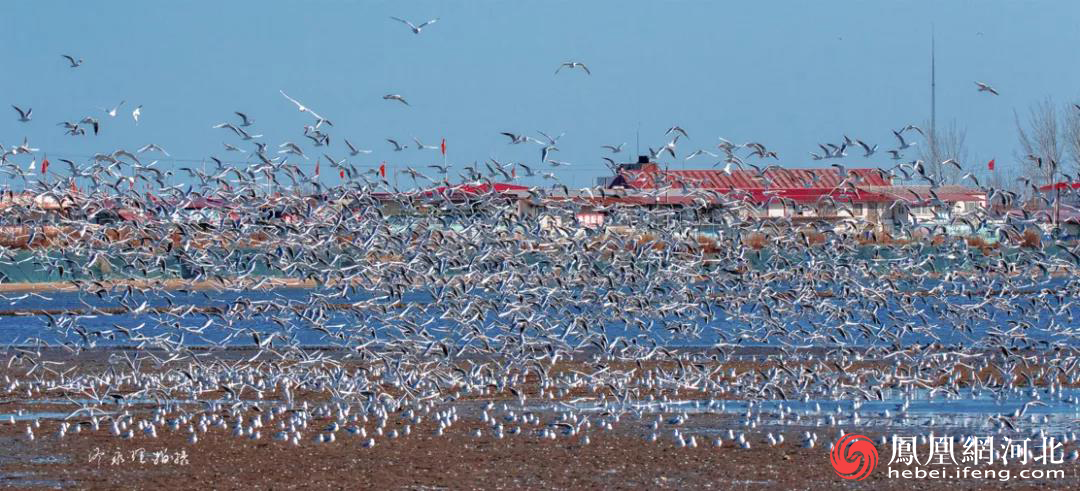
(294,101)
(432,21)
(410,24)
(585,68)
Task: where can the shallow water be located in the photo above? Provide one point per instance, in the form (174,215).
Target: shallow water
(968,410)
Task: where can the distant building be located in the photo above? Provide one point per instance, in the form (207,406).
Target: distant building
(797,194)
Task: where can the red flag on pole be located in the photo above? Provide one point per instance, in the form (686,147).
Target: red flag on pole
(382,170)
(343,173)
(443,146)
(317,167)
(45,165)
(990,164)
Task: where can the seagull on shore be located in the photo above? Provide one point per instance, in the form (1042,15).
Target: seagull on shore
(986,88)
(415,28)
(395,97)
(572,65)
(24,116)
(74,63)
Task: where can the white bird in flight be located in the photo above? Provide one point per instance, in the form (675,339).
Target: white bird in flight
(415,28)
(986,88)
(136,114)
(353,151)
(112,112)
(572,65)
(24,116)
(304,109)
(395,97)
(246,120)
(71,59)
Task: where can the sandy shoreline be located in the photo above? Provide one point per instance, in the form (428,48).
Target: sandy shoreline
(619,458)
(614,459)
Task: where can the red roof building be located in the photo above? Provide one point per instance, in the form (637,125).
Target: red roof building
(651,176)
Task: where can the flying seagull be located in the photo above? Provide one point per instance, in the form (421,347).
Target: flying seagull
(904,144)
(677,129)
(353,151)
(614,148)
(397,146)
(421,146)
(986,88)
(572,65)
(152,147)
(304,109)
(415,28)
(246,120)
(24,116)
(71,59)
(867,149)
(395,97)
(518,139)
(136,114)
(112,112)
(91,121)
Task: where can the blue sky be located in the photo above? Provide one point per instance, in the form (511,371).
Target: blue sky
(788,74)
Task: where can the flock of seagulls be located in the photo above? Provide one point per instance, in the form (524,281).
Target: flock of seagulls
(425,306)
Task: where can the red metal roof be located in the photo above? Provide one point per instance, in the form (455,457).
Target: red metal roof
(919,194)
(476,189)
(755,196)
(1063,186)
(774,177)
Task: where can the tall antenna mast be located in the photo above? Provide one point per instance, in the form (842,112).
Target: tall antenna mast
(933,106)
(637,141)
